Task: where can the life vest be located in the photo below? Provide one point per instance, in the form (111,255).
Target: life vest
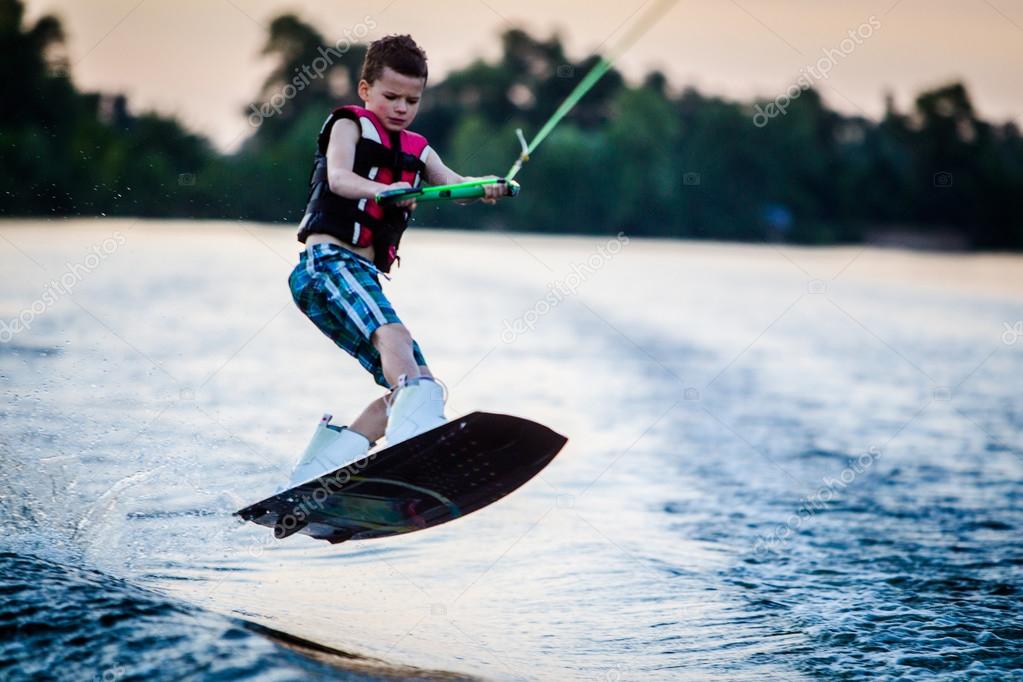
(380,155)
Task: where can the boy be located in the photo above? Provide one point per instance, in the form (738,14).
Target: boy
(349,239)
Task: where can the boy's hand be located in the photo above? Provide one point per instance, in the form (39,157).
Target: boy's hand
(494,191)
(410,204)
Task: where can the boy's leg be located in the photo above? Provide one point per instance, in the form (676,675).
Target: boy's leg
(344,300)
(416,402)
(373,421)
(419,406)
(394,342)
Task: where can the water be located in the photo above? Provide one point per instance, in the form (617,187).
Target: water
(783,463)
(129,633)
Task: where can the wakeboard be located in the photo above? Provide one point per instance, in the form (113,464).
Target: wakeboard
(430,479)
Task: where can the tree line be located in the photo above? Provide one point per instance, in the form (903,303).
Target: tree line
(641,158)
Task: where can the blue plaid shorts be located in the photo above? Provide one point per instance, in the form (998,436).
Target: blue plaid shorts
(340,292)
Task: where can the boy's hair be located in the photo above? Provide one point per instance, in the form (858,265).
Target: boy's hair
(398,52)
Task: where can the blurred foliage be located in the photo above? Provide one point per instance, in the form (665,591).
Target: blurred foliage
(633,158)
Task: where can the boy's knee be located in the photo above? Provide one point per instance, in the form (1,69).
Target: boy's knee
(391,337)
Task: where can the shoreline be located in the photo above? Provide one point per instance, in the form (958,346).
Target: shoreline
(990,273)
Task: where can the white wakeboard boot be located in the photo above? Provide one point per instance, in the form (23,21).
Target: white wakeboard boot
(416,406)
(331,448)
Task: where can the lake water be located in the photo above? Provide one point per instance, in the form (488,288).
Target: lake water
(783,463)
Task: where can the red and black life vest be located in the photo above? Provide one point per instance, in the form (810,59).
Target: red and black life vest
(382,156)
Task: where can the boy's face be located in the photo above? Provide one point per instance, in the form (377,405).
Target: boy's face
(394,98)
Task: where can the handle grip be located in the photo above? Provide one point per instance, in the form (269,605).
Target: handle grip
(473,189)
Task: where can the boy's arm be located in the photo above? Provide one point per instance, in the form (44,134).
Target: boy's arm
(439,174)
(344,136)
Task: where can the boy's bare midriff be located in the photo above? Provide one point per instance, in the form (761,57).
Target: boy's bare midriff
(317,238)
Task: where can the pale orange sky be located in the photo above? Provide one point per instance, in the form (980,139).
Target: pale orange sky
(200,59)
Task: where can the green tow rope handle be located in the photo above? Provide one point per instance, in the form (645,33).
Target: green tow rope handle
(474,189)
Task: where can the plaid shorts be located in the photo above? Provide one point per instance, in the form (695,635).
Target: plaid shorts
(340,292)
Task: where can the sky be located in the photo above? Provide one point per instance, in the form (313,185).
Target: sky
(200,59)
